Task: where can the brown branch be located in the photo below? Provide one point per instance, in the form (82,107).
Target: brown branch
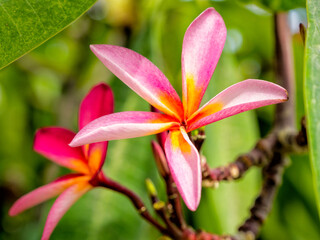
(272,174)
(285,142)
(284,119)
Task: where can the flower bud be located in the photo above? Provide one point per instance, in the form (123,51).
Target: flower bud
(151,188)
(160,159)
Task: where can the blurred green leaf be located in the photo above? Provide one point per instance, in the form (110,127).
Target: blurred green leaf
(284,5)
(312,90)
(278,5)
(25,24)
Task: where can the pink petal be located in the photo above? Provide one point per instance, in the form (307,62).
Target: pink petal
(96,156)
(201,50)
(62,205)
(97,103)
(238,98)
(142,76)
(52,142)
(123,125)
(44,193)
(184,163)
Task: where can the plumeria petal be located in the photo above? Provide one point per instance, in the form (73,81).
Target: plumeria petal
(201,50)
(98,102)
(62,205)
(184,163)
(44,193)
(142,76)
(52,142)
(96,156)
(123,125)
(240,97)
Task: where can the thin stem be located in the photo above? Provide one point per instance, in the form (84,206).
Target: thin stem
(162,211)
(174,201)
(137,202)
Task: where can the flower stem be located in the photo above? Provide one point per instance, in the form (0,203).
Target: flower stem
(137,202)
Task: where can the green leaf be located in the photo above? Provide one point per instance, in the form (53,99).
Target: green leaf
(25,24)
(277,5)
(312,90)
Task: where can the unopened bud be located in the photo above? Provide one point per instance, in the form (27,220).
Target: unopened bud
(151,188)
(164,238)
(160,158)
(159,205)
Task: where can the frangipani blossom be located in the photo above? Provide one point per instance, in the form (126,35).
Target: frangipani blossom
(202,46)
(87,161)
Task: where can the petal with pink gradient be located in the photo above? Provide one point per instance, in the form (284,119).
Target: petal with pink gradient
(45,192)
(62,205)
(123,125)
(202,46)
(184,163)
(240,97)
(96,156)
(97,103)
(142,76)
(52,142)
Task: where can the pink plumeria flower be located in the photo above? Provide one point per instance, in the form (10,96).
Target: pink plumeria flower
(87,161)
(202,46)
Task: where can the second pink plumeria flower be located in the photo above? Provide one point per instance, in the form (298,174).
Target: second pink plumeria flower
(87,161)
(202,46)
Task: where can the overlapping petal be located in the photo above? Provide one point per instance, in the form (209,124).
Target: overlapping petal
(142,76)
(184,163)
(162,136)
(98,102)
(44,193)
(52,142)
(62,205)
(123,125)
(202,46)
(96,156)
(240,97)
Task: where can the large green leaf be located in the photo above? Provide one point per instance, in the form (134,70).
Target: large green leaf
(25,24)
(312,89)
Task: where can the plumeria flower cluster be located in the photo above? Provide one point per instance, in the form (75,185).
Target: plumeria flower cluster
(202,46)
(86,161)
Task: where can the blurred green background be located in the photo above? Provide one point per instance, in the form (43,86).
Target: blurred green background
(45,87)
